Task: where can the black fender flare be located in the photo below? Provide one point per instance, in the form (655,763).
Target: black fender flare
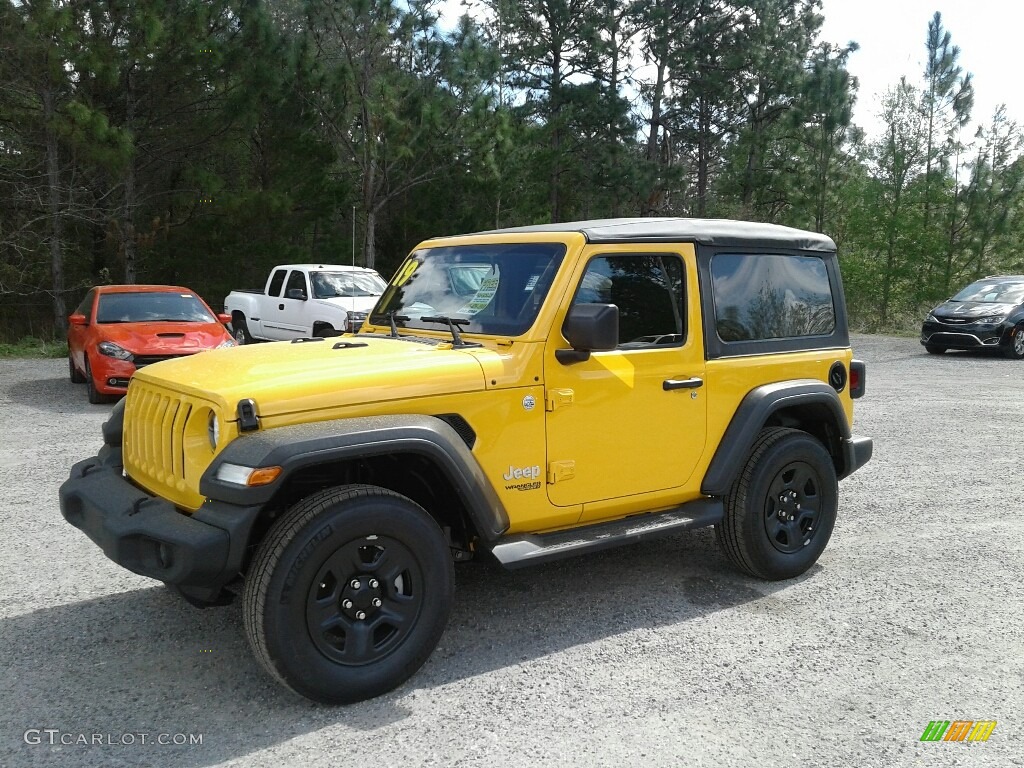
(296,447)
(753,413)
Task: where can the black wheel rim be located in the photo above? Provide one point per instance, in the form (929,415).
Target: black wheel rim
(792,507)
(365,600)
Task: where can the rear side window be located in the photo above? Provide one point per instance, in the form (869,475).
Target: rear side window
(771,296)
(276,282)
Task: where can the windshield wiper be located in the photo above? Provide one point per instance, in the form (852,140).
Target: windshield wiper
(453,324)
(391,319)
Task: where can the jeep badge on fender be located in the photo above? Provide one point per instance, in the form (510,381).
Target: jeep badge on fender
(670,374)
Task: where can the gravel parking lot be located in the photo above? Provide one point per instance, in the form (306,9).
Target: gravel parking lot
(655,655)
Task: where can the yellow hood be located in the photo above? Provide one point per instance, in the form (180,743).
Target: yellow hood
(284,377)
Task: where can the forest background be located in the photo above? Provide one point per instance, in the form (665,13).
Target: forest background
(200,143)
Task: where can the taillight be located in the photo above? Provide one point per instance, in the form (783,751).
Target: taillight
(858,378)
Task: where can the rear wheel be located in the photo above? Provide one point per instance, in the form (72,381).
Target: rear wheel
(934,349)
(780,510)
(1015,349)
(348,593)
(74,373)
(240,330)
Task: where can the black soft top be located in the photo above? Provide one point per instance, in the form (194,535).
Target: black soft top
(713,232)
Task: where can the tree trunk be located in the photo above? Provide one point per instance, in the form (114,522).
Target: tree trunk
(128,242)
(753,153)
(652,137)
(652,204)
(703,156)
(370,238)
(613,91)
(824,160)
(556,138)
(56,218)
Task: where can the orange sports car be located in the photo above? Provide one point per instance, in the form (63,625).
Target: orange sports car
(117,329)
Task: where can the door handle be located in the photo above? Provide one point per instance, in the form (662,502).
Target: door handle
(693,383)
(280,306)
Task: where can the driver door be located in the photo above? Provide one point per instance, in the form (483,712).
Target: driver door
(289,315)
(631,420)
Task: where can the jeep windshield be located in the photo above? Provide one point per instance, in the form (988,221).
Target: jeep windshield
(490,289)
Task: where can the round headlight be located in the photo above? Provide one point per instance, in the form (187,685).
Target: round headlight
(213,430)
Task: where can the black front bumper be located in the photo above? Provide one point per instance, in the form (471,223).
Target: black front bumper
(199,553)
(963,336)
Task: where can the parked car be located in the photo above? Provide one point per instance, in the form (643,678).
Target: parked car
(304,301)
(987,314)
(118,329)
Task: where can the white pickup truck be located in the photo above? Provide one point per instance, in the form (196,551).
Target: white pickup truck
(304,300)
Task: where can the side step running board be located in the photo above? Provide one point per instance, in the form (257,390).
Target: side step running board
(518,551)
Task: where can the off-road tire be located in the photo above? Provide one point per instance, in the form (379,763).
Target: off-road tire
(303,573)
(781,508)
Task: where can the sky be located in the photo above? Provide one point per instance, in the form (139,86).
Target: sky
(892,35)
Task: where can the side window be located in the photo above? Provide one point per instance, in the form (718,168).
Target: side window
(86,306)
(771,296)
(647,289)
(296,279)
(276,282)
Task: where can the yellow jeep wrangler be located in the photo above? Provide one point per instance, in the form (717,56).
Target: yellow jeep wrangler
(530,393)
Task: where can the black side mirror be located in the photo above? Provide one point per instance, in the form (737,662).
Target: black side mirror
(589,328)
(296,293)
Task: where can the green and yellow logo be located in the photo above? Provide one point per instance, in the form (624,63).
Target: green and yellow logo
(958,730)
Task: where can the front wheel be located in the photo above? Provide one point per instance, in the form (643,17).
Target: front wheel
(1015,349)
(348,593)
(780,510)
(95,396)
(324,331)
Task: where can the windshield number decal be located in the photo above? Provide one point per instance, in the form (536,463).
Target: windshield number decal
(403,277)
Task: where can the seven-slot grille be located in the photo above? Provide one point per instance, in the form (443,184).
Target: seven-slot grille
(154,437)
